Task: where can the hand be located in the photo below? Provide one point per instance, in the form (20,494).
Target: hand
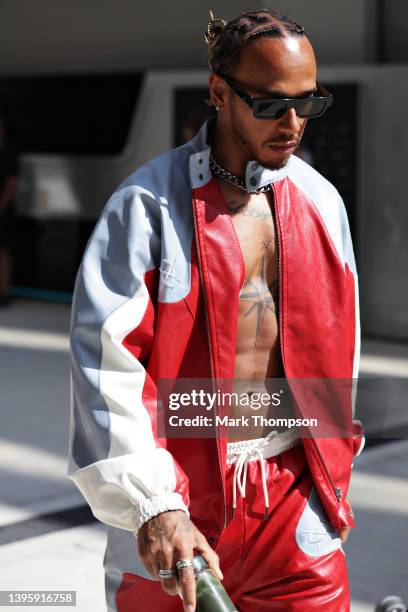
(167,538)
(344,534)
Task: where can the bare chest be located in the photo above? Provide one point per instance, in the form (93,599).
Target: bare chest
(255,229)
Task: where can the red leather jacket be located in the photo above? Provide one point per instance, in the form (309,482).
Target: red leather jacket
(157,297)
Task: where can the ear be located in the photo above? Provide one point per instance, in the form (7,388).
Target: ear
(218,91)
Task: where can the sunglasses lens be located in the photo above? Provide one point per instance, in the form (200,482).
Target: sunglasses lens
(269,109)
(306,107)
(313,107)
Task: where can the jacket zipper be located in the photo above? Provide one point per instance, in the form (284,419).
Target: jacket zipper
(336,490)
(209,351)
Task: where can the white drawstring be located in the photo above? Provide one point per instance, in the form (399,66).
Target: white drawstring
(241,469)
(239,477)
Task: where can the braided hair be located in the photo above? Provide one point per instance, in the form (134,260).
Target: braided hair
(226,39)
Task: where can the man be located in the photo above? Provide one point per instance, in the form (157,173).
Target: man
(227,258)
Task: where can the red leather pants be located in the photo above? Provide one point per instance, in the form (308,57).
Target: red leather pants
(291,562)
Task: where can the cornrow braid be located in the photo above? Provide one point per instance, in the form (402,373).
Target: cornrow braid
(225,40)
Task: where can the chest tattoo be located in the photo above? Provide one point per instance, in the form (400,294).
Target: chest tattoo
(247,210)
(261,297)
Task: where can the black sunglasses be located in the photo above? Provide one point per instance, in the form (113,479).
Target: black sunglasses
(274,108)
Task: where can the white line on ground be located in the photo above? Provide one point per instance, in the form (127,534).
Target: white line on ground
(39,340)
(382,366)
(379,492)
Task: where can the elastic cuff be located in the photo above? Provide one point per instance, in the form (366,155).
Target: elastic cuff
(147,508)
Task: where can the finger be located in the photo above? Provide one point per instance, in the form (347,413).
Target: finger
(150,569)
(209,555)
(187,585)
(155,569)
(213,563)
(166,561)
(143,554)
(170,585)
(149,565)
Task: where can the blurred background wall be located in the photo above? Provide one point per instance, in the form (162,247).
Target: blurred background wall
(51,35)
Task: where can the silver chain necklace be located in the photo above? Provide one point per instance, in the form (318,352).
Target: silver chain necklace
(235,180)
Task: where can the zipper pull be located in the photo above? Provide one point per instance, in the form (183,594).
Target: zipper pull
(337,491)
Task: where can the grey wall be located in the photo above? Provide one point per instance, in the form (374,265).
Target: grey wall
(83,35)
(342,32)
(395,33)
(382,213)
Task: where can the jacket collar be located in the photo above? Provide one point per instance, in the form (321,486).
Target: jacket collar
(256,176)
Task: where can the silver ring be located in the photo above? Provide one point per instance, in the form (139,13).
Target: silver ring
(183,563)
(167,573)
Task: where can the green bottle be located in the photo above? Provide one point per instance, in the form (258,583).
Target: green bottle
(211,595)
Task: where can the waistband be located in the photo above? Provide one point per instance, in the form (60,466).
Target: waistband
(270,446)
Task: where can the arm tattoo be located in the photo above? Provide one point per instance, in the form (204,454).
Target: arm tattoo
(156,532)
(158,528)
(262,296)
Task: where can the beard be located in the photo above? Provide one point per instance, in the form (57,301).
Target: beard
(274,165)
(250,153)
